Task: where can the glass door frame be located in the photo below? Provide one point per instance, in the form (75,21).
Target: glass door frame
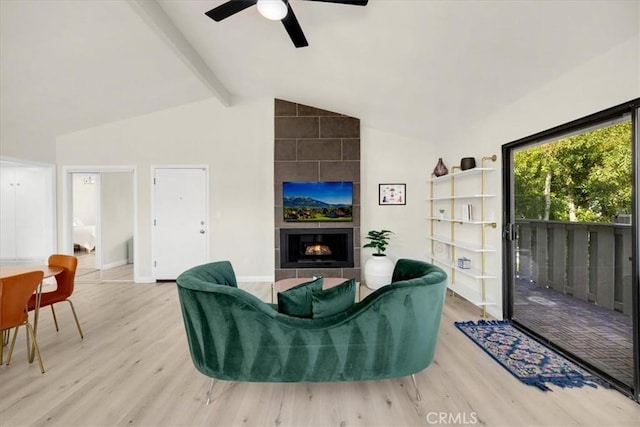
(631,108)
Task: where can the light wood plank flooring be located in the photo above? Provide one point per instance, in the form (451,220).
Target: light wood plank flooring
(133,369)
(87,272)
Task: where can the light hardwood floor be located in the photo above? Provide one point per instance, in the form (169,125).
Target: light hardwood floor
(87,272)
(133,368)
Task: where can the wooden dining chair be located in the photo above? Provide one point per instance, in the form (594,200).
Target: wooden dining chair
(16,291)
(65,282)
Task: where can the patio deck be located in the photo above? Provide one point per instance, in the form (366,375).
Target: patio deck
(598,335)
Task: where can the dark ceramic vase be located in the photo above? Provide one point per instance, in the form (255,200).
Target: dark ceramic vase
(440,168)
(467,163)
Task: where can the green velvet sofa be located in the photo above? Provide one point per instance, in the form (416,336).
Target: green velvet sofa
(235,336)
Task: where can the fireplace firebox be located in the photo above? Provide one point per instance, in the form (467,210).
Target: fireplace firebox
(316,247)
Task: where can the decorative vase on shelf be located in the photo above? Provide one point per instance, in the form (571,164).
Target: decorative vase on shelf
(440,168)
(467,163)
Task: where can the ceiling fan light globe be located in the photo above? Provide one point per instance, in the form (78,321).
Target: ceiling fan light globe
(275,10)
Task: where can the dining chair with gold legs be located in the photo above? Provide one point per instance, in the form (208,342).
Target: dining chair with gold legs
(16,291)
(65,284)
(5,334)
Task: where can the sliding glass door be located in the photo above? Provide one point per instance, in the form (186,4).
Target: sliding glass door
(570,241)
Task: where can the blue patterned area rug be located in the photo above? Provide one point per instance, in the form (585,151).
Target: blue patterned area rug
(528,360)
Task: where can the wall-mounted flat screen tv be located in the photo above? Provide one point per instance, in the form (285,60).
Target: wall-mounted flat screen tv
(318,201)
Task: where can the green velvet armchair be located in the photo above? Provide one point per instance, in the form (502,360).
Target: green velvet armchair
(235,336)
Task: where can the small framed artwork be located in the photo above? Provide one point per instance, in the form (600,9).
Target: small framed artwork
(392,194)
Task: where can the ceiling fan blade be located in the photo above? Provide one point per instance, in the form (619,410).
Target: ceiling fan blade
(292,26)
(350,2)
(229,8)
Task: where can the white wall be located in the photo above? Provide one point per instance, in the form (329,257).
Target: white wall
(236,143)
(391,159)
(116,217)
(85,198)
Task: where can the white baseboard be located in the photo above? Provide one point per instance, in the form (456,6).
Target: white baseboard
(254,279)
(115,264)
(495,312)
(239,279)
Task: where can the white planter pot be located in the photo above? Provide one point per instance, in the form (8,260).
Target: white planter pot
(378,271)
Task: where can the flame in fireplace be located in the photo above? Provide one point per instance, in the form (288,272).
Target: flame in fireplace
(317,249)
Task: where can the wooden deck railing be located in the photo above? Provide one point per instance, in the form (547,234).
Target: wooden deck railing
(590,261)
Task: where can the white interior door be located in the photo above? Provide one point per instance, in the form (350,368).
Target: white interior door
(179,220)
(26,212)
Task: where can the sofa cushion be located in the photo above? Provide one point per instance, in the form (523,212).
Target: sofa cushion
(297,300)
(334,300)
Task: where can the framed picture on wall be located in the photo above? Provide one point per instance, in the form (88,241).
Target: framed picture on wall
(392,194)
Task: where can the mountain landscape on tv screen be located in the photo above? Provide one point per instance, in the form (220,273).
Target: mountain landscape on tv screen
(300,208)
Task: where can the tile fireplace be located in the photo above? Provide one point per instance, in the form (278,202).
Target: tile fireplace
(316,248)
(315,145)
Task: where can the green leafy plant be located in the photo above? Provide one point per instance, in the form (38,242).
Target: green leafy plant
(379,240)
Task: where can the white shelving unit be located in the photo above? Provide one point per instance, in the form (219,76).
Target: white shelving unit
(453,236)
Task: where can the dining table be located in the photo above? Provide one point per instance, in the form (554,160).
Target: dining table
(49,271)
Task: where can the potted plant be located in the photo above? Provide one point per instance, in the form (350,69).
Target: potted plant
(379,241)
(378,269)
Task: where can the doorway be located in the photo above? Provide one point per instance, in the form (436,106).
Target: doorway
(99,224)
(570,242)
(86,199)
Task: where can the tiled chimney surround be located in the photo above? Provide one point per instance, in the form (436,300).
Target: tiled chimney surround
(316,145)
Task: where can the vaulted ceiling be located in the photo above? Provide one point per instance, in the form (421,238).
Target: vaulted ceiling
(417,68)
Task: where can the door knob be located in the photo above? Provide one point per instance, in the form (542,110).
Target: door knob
(201,231)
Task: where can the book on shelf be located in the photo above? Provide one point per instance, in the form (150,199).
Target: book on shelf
(467,212)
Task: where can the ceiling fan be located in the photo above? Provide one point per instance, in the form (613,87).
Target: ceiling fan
(276,10)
